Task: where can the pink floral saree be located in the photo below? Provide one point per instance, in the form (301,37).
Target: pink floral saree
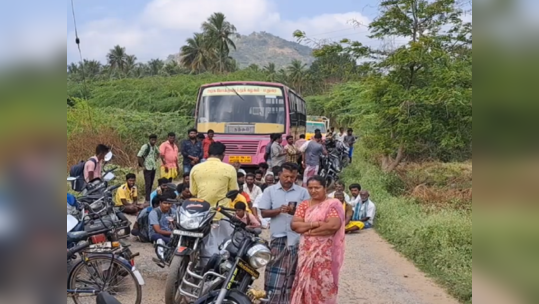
(320,258)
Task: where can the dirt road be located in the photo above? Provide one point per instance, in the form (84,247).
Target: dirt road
(373,273)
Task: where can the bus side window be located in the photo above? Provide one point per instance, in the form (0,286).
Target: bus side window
(293,101)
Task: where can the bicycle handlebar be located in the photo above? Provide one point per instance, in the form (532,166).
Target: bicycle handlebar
(80,247)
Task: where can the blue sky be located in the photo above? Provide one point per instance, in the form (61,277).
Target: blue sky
(157,28)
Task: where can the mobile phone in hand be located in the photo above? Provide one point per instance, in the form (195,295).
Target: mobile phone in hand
(293,206)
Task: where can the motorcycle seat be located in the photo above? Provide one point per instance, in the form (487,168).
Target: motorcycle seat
(77,236)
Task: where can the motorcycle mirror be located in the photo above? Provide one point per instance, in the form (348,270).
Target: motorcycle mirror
(108,177)
(106,298)
(232,194)
(109,156)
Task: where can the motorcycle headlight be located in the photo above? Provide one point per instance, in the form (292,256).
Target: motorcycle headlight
(259,256)
(190,221)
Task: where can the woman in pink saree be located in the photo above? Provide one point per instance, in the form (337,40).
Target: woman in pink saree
(320,221)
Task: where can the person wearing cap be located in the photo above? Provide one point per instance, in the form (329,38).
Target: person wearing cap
(160,218)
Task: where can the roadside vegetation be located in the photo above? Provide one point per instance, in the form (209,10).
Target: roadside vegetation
(410,103)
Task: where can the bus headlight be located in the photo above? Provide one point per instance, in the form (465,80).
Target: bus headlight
(259,256)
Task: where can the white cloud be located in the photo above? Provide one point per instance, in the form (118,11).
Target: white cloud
(162,27)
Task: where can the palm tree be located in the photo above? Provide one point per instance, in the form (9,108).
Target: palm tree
(218,32)
(296,74)
(155,65)
(271,72)
(117,58)
(130,64)
(92,68)
(195,55)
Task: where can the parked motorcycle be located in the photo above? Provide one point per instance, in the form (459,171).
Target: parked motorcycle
(330,168)
(192,225)
(229,276)
(100,220)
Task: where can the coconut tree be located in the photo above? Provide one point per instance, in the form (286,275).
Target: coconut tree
(196,55)
(297,74)
(155,65)
(117,58)
(218,32)
(271,72)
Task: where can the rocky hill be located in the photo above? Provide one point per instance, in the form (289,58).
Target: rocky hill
(263,48)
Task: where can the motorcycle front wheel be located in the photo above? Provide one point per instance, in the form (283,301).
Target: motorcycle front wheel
(177,271)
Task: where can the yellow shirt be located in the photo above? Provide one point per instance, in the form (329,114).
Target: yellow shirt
(125,193)
(240,199)
(212,180)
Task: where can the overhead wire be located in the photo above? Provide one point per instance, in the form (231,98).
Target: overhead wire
(77,41)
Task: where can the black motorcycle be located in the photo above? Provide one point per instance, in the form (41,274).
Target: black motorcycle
(330,168)
(193,223)
(228,276)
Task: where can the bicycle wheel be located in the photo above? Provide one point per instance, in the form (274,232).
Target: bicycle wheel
(98,274)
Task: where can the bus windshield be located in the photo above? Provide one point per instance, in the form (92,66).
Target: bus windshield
(242,110)
(312,126)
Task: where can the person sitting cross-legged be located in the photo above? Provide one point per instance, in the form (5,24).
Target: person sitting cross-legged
(351,226)
(365,211)
(127,196)
(161,218)
(249,219)
(163,186)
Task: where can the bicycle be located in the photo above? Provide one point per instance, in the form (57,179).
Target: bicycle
(103,272)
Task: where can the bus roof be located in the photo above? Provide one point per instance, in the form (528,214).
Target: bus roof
(225,83)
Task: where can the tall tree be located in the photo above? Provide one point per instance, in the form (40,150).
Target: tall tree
(271,72)
(117,59)
(218,33)
(297,74)
(196,55)
(155,65)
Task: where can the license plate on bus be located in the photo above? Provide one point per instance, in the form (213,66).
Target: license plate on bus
(240,159)
(188,233)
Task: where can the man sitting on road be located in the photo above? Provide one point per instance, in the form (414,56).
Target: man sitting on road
(160,218)
(246,217)
(127,195)
(339,187)
(366,211)
(351,226)
(163,186)
(355,199)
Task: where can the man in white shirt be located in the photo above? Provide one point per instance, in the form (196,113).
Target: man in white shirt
(250,188)
(339,187)
(340,135)
(366,212)
(355,199)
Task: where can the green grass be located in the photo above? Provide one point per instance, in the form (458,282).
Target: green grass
(439,243)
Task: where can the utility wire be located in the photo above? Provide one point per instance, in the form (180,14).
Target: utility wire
(77,41)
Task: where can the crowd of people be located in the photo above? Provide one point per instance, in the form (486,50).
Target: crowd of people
(307,223)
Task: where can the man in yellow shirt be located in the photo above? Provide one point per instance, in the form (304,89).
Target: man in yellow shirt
(127,195)
(213,179)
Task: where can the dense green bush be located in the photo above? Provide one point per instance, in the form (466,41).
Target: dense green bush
(154,94)
(439,243)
